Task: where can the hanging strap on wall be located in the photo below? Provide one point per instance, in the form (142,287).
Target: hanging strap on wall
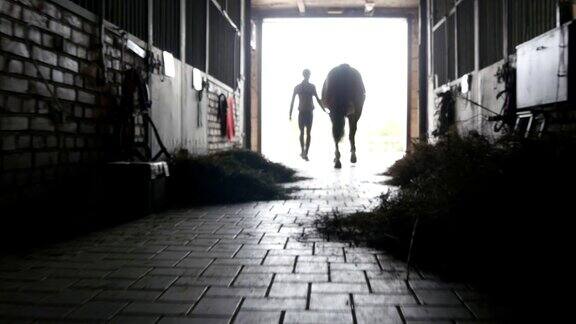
(199,95)
(230,125)
(222,113)
(134,82)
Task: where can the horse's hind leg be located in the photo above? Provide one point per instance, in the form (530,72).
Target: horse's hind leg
(338,122)
(353,122)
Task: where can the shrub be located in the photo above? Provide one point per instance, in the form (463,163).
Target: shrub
(228,177)
(486,211)
(248,161)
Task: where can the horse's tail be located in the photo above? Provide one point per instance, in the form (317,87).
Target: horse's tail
(337,126)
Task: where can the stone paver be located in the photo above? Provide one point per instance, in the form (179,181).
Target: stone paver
(258,262)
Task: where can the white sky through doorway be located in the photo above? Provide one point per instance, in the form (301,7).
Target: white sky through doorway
(377,47)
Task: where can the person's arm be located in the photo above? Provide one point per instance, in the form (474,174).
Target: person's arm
(318,100)
(292,102)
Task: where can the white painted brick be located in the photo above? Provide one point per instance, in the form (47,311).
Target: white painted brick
(17,161)
(14,47)
(15,66)
(68,63)
(13,84)
(86,97)
(72,20)
(11,9)
(41,124)
(45,159)
(66,93)
(60,29)
(13,123)
(80,38)
(6,26)
(45,56)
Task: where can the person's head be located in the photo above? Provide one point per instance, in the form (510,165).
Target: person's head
(306,74)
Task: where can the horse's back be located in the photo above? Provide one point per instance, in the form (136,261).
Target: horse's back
(343,87)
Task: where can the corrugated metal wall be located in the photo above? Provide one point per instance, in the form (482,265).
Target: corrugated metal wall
(528,19)
(451,45)
(166,25)
(233,8)
(196,34)
(440,55)
(224,43)
(130,15)
(465,36)
(491,20)
(441,9)
(223,37)
(237,56)
(90,5)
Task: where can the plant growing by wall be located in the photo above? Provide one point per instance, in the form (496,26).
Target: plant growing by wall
(445,112)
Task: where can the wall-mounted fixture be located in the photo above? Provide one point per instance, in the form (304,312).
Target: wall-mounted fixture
(198,81)
(545,68)
(334,11)
(169,67)
(135,48)
(465,83)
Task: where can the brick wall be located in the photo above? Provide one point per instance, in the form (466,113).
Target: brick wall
(51,121)
(35,144)
(216,141)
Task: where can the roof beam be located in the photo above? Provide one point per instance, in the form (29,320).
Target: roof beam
(369,6)
(301,6)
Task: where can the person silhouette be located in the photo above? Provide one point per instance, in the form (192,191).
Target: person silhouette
(305,92)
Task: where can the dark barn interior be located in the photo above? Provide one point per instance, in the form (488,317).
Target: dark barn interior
(133,188)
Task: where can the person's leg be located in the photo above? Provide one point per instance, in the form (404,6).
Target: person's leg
(308,134)
(301,125)
(337,163)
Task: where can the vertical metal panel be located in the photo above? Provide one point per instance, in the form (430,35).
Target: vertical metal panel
(196,34)
(90,5)
(440,54)
(130,15)
(167,26)
(423,70)
(237,55)
(246,71)
(216,42)
(233,8)
(465,36)
(528,19)
(439,10)
(451,47)
(491,31)
(222,48)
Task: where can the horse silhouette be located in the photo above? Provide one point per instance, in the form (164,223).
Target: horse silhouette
(343,94)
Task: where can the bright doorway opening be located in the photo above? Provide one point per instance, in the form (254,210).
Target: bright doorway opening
(376,47)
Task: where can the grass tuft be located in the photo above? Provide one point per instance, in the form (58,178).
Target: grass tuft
(493,214)
(227,177)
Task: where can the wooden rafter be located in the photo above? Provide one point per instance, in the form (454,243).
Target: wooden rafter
(301,6)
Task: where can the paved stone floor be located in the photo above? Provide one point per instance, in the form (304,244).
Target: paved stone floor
(258,262)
